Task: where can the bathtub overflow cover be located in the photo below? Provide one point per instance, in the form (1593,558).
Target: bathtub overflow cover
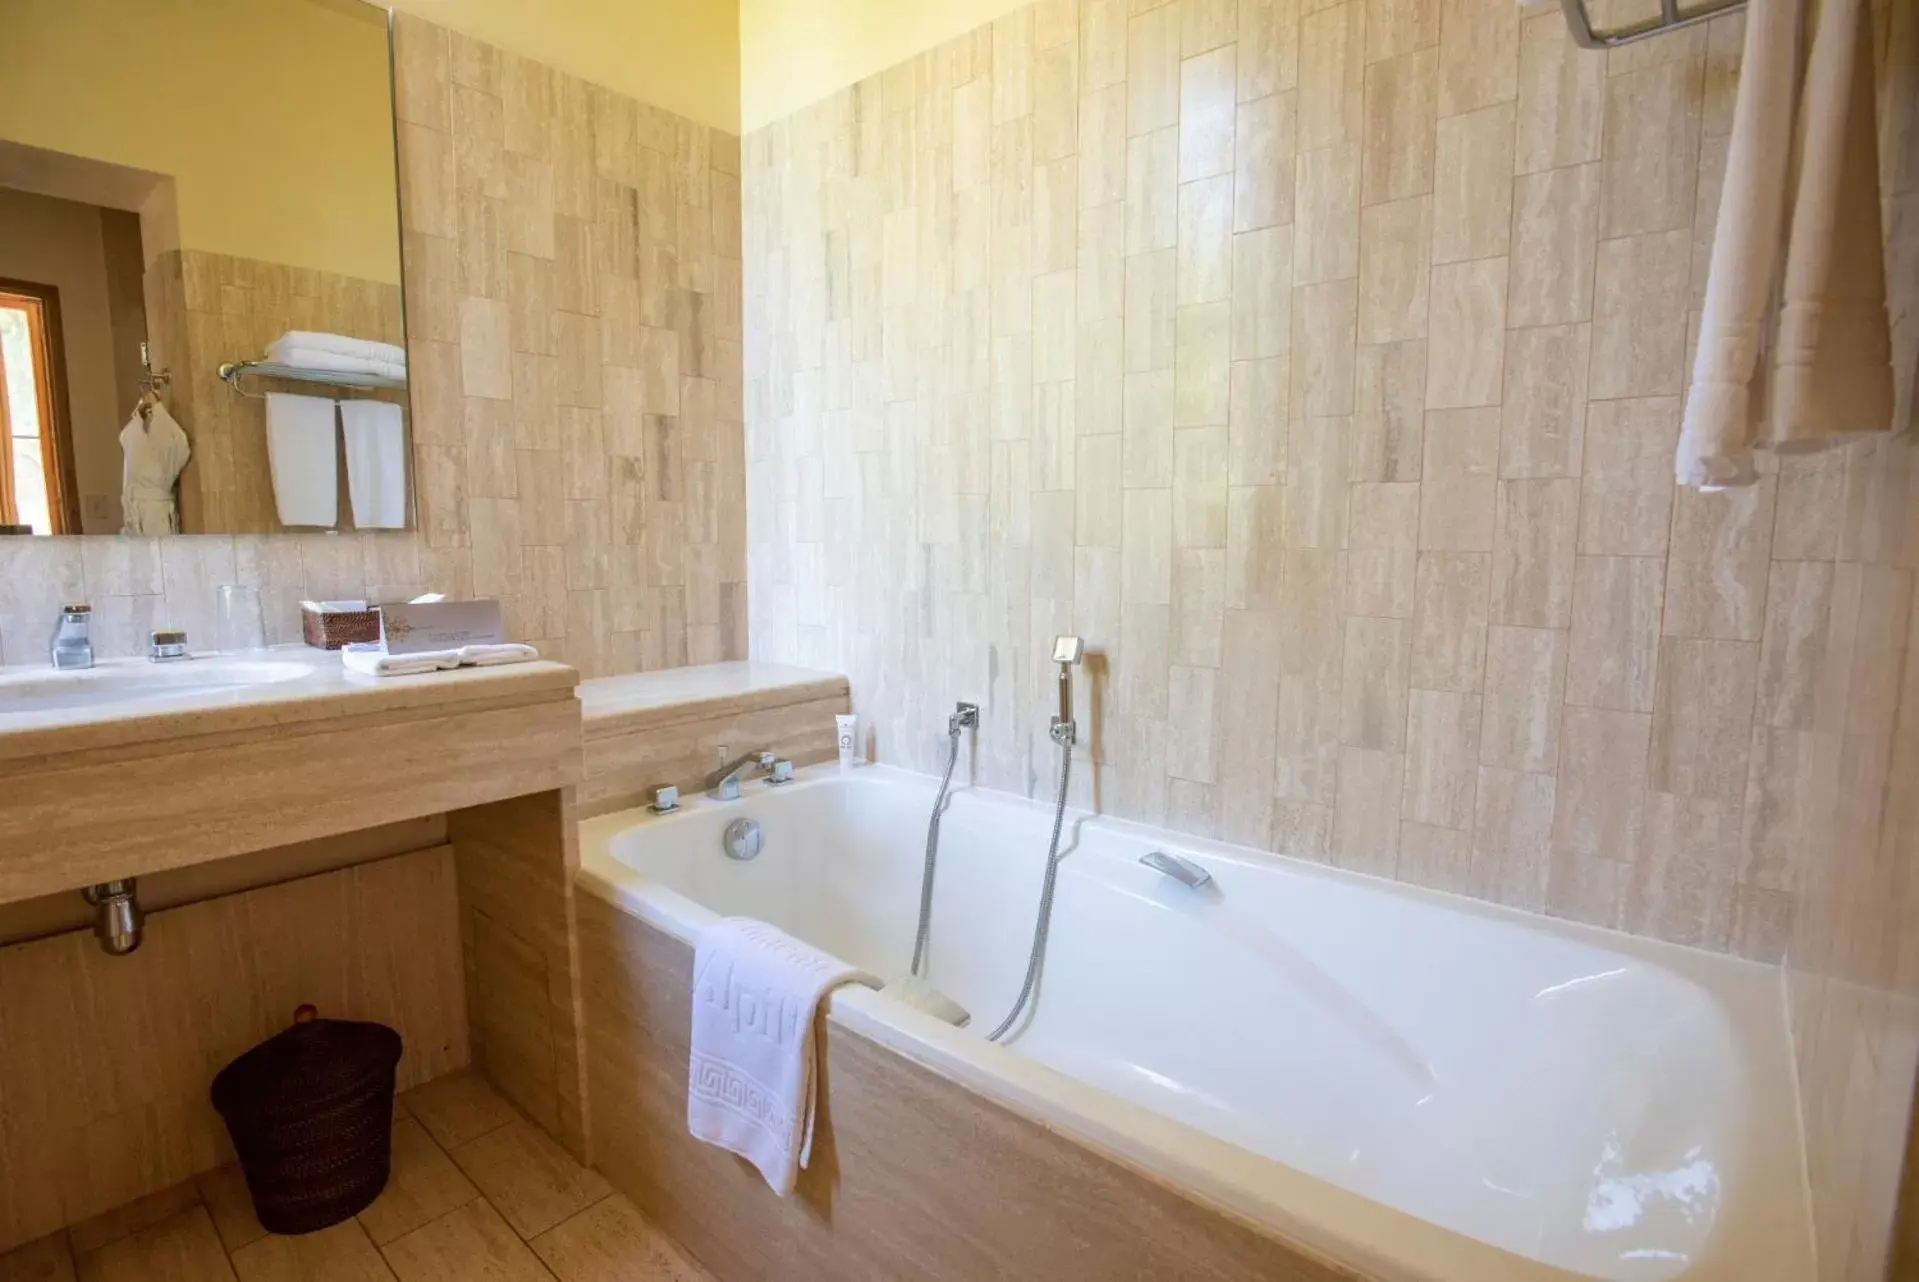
(743,839)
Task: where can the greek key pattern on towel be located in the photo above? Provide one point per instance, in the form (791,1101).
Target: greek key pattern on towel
(715,1081)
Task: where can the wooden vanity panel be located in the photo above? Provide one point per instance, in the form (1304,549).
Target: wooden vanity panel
(516,862)
(74,819)
(912,1175)
(106,1063)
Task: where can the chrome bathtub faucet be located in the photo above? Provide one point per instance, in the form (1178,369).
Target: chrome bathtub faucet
(71,647)
(1184,871)
(724,783)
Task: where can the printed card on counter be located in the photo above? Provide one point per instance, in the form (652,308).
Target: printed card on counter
(440,625)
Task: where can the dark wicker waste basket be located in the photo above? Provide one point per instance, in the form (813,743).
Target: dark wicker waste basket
(311,1114)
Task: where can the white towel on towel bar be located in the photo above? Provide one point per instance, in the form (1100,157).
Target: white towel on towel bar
(304,459)
(336,362)
(751,1082)
(341,345)
(375,434)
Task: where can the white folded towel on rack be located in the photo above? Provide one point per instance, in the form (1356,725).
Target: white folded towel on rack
(365,349)
(304,460)
(372,659)
(336,362)
(375,434)
(750,1087)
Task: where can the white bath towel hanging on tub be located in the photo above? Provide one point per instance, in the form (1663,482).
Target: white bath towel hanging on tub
(750,1087)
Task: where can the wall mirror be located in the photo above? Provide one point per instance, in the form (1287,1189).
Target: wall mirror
(200,316)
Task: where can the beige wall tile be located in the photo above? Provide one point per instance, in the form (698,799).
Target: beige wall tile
(1615,632)
(1512,836)
(1554,244)
(1452,601)
(1394,271)
(1525,688)
(1331,75)
(1244,723)
(1599,811)
(1440,858)
(1208,107)
(1324,317)
(1543,412)
(1682,884)
(1397,134)
(1389,412)
(1460,480)
(1640,289)
(1702,717)
(1478,55)
(1466,353)
(1652,151)
(1262,293)
(1315,492)
(1374,712)
(1152,191)
(1400,26)
(1473,190)
(1628,483)
(1268,47)
(1326,210)
(1442,759)
(1716,578)
(1366,818)
(1264,142)
(1204,254)
(1256,420)
(1152,69)
(1203,353)
(1562,98)
(1534,545)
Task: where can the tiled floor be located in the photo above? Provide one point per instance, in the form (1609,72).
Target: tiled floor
(478,1194)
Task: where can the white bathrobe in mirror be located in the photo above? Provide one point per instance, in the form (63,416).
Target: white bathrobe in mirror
(157,451)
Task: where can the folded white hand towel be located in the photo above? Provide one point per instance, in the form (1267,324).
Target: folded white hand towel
(375,463)
(342,345)
(372,660)
(304,459)
(336,362)
(756,991)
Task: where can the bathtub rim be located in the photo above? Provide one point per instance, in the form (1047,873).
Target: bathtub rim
(1306,1214)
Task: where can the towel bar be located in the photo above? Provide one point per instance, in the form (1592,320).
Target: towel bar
(1670,18)
(233,371)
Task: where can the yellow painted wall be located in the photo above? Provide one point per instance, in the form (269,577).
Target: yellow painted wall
(681,55)
(273,116)
(796,52)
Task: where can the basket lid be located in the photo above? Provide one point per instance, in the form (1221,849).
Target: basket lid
(305,1066)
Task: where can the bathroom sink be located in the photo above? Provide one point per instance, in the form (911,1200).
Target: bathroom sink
(137,681)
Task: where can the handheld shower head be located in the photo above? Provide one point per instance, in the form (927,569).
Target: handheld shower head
(1067,652)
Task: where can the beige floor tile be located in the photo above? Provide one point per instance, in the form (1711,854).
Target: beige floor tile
(612,1242)
(342,1253)
(181,1249)
(472,1244)
(458,1108)
(47,1260)
(123,1221)
(425,1184)
(532,1180)
(225,1194)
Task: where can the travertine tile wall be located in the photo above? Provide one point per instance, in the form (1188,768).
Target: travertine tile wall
(1322,364)
(572,281)
(1322,367)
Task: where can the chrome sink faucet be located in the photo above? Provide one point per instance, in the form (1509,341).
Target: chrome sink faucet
(71,647)
(724,783)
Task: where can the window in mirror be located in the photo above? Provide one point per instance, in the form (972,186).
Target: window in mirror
(200,269)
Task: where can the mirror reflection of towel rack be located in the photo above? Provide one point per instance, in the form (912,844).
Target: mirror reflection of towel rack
(1669,18)
(233,372)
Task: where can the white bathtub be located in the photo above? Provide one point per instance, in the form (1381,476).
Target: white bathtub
(1413,1084)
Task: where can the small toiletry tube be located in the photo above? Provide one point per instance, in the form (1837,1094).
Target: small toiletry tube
(848,727)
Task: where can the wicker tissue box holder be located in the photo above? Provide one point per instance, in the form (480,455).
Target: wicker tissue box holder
(334,629)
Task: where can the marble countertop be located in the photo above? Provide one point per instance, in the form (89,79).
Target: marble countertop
(326,689)
(674,693)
